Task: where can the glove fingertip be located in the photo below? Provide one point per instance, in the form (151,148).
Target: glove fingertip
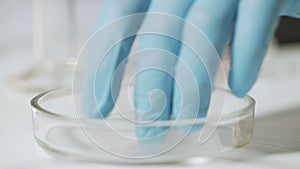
(95,110)
(237,89)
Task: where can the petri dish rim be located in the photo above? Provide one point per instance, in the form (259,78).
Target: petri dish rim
(250,103)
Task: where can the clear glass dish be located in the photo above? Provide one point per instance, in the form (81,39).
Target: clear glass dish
(63,133)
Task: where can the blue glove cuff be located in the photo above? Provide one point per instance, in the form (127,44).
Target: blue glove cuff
(292,9)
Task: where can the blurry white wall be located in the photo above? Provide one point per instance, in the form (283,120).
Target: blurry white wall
(15,25)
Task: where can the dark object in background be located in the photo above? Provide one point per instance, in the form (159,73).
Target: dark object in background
(288,30)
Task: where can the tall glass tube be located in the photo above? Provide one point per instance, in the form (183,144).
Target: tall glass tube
(60,29)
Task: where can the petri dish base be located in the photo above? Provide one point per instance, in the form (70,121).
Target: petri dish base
(64,134)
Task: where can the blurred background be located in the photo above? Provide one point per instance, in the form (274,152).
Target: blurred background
(16,29)
(277,91)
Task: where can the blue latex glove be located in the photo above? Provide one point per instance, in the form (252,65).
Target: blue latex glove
(250,24)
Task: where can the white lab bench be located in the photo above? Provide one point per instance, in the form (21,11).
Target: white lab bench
(276,136)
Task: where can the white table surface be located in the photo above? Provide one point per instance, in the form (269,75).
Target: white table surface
(276,136)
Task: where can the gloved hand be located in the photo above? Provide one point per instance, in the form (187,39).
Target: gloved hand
(249,23)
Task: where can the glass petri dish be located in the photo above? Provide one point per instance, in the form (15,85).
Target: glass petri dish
(59,130)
